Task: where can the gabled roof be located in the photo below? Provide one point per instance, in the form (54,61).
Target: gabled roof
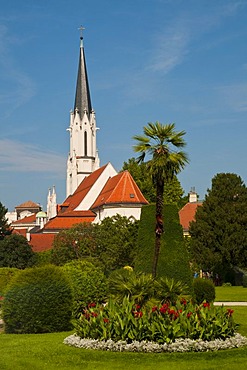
(118,190)
(187,214)
(28,204)
(103,187)
(85,186)
(67,220)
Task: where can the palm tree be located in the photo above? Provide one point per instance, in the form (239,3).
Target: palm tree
(160,142)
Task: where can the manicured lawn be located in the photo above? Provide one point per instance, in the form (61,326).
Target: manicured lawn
(47,352)
(240,317)
(231,294)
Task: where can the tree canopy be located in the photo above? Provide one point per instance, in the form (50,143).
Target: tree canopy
(4,227)
(219,232)
(75,243)
(110,244)
(16,252)
(173,191)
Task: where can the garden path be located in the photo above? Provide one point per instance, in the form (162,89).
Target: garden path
(230,303)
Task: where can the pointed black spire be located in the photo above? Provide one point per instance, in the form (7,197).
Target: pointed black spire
(82,96)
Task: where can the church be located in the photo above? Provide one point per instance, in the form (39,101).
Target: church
(93,192)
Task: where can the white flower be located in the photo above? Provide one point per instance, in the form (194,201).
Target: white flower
(180,345)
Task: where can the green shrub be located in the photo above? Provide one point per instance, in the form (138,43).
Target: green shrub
(88,283)
(43,258)
(169,290)
(143,288)
(6,274)
(136,286)
(226,285)
(203,290)
(161,324)
(38,300)
(245,281)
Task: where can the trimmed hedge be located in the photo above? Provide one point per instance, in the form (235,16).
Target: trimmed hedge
(38,300)
(6,275)
(203,290)
(174,258)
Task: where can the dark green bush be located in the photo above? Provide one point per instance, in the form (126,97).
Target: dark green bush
(203,290)
(38,300)
(88,283)
(16,252)
(6,275)
(245,281)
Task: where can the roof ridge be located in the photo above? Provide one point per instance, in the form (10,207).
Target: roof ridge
(120,188)
(115,188)
(133,183)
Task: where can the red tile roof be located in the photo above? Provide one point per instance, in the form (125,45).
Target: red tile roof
(120,189)
(25,220)
(75,199)
(187,214)
(41,242)
(68,219)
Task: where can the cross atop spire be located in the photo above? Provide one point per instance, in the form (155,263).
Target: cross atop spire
(81,29)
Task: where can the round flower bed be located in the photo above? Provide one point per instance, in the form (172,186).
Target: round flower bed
(182,327)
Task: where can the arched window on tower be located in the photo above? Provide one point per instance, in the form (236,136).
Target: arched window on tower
(85,143)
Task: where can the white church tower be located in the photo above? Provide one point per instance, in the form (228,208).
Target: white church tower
(83,155)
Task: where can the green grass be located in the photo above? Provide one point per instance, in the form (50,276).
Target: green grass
(47,352)
(240,317)
(231,294)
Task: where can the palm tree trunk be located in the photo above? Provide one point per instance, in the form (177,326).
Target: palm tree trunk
(159,225)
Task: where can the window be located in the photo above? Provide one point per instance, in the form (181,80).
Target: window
(85,143)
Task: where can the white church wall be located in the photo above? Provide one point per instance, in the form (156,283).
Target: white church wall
(133,212)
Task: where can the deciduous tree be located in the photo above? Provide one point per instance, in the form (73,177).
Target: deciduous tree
(16,252)
(110,244)
(76,243)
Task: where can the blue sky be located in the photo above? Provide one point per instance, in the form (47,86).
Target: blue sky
(148,60)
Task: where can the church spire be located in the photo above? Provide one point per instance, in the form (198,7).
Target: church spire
(83,156)
(82,96)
